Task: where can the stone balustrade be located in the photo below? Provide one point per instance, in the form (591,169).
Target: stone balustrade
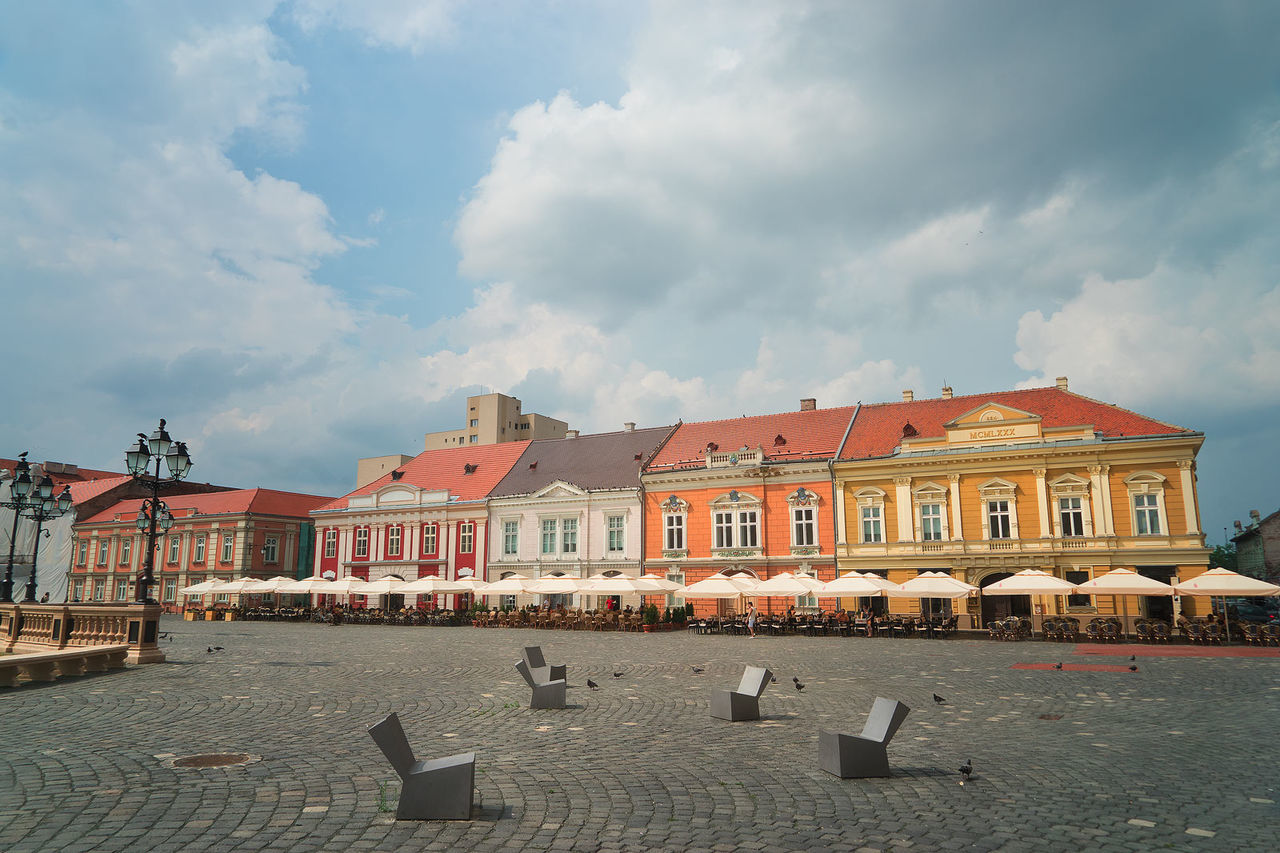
(44,627)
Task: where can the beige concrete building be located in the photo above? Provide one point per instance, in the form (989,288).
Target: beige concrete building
(493,419)
(375,467)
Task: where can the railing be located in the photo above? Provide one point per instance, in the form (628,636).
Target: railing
(722,459)
(1047,545)
(44,627)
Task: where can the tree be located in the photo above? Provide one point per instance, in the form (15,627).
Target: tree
(1223,556)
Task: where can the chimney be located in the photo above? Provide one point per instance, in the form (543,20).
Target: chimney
(946,392)
(908,395)
(629,426)
(571,433)
(1062,383)
(808,404)
(1255,516)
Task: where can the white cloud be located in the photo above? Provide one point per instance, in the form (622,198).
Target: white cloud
(414,25)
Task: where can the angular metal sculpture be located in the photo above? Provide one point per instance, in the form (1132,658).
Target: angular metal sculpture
(440,789)
(541,670)
(743,703)
(546,694)
(865,755)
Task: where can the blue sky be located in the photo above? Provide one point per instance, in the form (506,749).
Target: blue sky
(304,231)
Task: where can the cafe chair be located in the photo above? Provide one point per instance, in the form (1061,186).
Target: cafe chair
(439,789)
(866,755)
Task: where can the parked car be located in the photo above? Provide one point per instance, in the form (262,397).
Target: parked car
(1247,611)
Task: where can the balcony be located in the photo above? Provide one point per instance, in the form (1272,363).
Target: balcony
(1069,545)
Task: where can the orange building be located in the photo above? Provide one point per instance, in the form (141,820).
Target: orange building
(986,485)
(745,495)
(222,535)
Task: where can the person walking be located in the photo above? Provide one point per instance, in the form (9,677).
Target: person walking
(751,618)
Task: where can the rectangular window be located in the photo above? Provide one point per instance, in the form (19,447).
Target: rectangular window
(466,537)
(331,543)
(510,538)
(930,522)
(1147,515)
(221,598)
(1078,577)
(748,529)
(104,546)
(77,591)
(228,547)
(548,535)
(99,589)
(393,540)
(122,590)
(198,556)
(170,589)
(675,533)
(429,539)
(871,527)
(998,519)
(362,543)
(174,544)
(475,422)
(126,551)
(1072,515)
(804,529)
(569,535)
(84,552)
(271,550)
(473,439)
(723,524)
(617,533)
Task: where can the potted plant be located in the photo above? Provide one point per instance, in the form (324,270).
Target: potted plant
(650,618)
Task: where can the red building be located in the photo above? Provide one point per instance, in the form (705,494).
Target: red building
(257,533)
(426,518)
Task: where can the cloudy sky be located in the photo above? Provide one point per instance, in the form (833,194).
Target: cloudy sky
(304,231)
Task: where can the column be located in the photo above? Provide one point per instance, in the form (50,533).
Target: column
(839,519)
(1106,491)
(902,497)
(1186,472)
(957,531)
(1100,495)
(1042,503)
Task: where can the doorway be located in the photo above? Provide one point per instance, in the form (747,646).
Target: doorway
(997,607)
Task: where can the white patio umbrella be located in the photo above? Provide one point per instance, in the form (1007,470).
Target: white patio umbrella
(787,584)
(1124,582)
(932,585)
(555,585)
(720,586)
(662,583)
(238,585)
(1225,583)
(203,587)
(623,585)
(1030,582)
(269,585)
(382,586)
(437,586)
(345,586)
(512,585)
(858,585)
(313,584)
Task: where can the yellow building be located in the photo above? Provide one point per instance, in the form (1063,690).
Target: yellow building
(986,485)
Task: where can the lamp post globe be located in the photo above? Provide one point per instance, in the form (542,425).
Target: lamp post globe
(153,515)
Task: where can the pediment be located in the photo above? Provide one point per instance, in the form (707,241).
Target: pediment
(560,489)
(991,413)
(397,495)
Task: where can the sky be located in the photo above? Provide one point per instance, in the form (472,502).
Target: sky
(303,232)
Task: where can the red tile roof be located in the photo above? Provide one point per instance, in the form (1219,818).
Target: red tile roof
(85,483)
(260,501)
(83,491)
(447,469)
(813,434)
(877,430)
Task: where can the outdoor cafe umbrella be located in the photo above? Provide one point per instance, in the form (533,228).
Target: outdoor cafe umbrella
(432,585)
(555,585)
(1124,582)
(720,586)
(621,585)
(510,585)
(314,585)
(1225,582)
(858,585)
(380,587)
(787,584)
(203,587)
(662,583)
(269,585)
(932,585)
(1031,582)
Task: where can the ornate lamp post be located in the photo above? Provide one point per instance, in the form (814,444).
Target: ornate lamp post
(154,514)
(19,489)
(45,508)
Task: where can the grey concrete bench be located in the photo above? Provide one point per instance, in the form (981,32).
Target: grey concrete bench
(47,666)
(743,703)
(865,755)
(440,789)
(546,694)
(540,669)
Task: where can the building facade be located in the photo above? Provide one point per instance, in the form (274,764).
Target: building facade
(428,517)
(1258,546)
(746,496)
(986,485)
(223,535)
(496,418)
(571,507)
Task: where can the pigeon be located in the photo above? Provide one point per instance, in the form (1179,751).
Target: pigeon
(1133,657)
(1133,667)
(695,668)
(938,700)
(617,674)
(1058,665)
(217,648)
(592,684)
(966,770)
(209,649)
(799,686)
(773,679)
(795,678)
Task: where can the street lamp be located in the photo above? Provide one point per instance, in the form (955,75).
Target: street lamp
(19,489)
(45,508)
(153,514)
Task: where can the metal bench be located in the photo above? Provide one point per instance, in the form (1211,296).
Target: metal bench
(440,789)
(865,755)
(743,703)
(540,669)
(546,694)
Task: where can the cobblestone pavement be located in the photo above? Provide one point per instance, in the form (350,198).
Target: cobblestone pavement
(1180,755)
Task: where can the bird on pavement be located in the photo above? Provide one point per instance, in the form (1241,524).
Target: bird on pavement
(695,668)
(213,649)
(617,674)
(773,679)
(1058,665)
(799,686)
(1133,657)
(592,684)
(966,770)
(1133,667)
(938,700)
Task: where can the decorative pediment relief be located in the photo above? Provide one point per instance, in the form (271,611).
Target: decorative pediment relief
(1069,484)
(989,413)
(733,497)
(560,489)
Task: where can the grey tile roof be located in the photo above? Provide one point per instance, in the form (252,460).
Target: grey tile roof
(601,461)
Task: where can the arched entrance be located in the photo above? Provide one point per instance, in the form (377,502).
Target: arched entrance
(1002,606)
(729,606)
